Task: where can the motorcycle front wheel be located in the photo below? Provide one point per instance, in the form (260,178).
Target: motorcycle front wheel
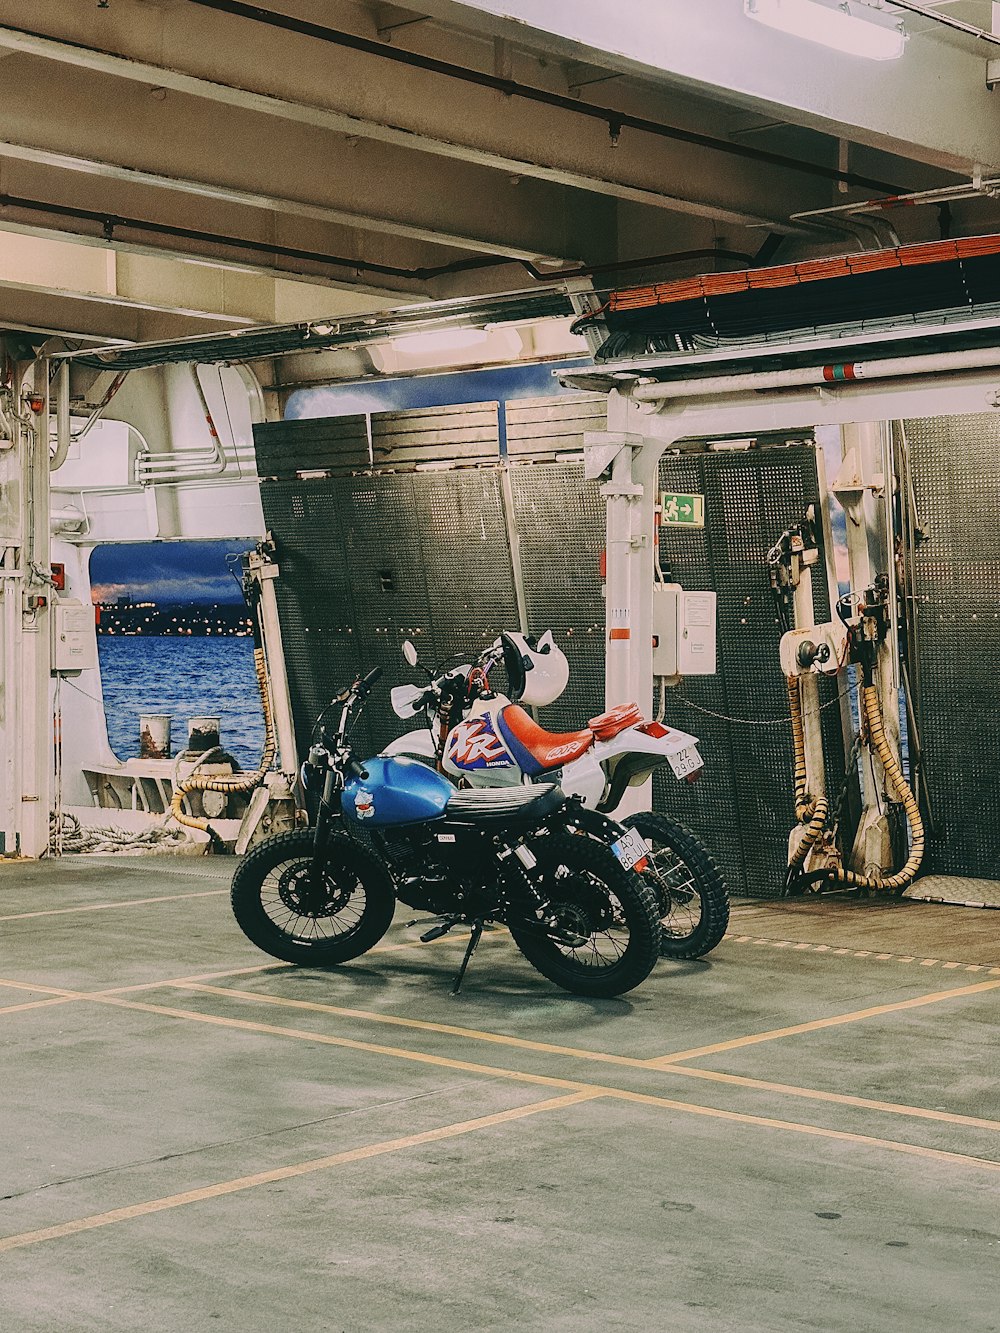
(299,917)
(606,938)
(693,901)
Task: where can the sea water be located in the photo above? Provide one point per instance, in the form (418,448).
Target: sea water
(185,677)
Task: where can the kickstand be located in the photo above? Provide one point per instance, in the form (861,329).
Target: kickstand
(474,938)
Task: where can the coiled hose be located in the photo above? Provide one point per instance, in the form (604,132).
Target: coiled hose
(816,812)
(808,811)
(238,782)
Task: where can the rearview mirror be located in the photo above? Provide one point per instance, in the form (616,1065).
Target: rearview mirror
(410,653)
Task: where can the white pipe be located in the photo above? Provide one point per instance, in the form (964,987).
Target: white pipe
(818,376)
(943,195)
(63,437)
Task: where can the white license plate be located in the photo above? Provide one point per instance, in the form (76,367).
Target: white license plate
(630,849)
(685,761)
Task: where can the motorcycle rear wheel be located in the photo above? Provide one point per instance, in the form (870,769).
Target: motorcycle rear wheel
(280,910)
(694,903)
(609,932)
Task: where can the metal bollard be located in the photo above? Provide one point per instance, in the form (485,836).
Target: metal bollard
(203,734)
(154,736)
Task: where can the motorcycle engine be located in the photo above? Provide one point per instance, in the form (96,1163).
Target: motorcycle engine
(421,880)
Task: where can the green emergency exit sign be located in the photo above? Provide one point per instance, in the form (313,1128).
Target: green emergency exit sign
(682,510)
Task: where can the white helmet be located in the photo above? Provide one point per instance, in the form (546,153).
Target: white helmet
(537,670)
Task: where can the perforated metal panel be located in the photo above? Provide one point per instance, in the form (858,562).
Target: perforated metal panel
(955,465)
(369,561)
(560,520)
(742,806)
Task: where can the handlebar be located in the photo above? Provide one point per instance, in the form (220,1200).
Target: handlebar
(357,769)
(366,682)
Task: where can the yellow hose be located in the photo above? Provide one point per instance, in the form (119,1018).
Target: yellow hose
(238,782)
(879,743)
(816,812)
(805,807)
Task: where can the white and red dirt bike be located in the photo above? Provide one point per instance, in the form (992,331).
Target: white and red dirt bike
(480,738)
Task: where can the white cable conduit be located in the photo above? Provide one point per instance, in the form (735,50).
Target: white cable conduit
(819,376)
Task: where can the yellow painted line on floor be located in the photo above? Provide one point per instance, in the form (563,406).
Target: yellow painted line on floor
(522,1076)
(569,1085)
(802,946)
(420,1025)
(580,1053)
(819,1131)
(224,1187)
(108,907)
(36,1004)
(837,1098)
(818,1024)
(274,965)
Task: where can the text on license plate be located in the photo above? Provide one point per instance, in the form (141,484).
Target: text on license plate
(685,761)
(630,849)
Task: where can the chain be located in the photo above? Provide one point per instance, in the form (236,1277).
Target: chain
(763,722)
(850,768)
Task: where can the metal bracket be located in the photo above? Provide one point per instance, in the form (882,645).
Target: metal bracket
(602,447)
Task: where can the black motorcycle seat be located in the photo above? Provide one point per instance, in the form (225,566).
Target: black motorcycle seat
(505,804)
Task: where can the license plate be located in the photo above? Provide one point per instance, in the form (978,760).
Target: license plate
(685,761)
(630,849)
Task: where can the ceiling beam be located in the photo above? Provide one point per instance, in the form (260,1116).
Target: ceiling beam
(435,116)
(932,105)
(272,203)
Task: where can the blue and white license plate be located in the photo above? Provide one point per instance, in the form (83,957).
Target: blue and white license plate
(630,849)
(685,761)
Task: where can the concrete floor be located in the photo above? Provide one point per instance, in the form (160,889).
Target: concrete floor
(800,1133)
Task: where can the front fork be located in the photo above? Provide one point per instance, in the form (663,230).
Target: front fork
(321,831)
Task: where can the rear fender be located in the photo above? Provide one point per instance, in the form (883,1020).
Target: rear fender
(635,741)
(591,822)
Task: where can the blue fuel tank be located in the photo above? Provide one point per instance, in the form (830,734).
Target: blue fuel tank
(396,791)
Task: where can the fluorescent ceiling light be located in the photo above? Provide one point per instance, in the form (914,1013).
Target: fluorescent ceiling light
(440,340)
(850,27)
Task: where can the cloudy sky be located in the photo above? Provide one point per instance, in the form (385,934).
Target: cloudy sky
(176,572)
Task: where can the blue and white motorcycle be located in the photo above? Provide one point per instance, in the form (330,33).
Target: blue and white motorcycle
(482,738)
(319,896)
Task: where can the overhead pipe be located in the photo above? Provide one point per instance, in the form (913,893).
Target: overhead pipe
(845,372)
(110,222)
(948,21)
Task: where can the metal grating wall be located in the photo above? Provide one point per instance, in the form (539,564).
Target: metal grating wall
(955,465)
(742,806)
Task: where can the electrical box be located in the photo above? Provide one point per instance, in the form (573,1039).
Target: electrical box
(696,634)
(683,631)
(74,637)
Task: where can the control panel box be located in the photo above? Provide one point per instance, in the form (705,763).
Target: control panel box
(74,637)
(684,632)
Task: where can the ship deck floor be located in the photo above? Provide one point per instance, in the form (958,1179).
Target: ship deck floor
(800,1132)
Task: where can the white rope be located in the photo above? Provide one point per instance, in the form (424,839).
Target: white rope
(75,837)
